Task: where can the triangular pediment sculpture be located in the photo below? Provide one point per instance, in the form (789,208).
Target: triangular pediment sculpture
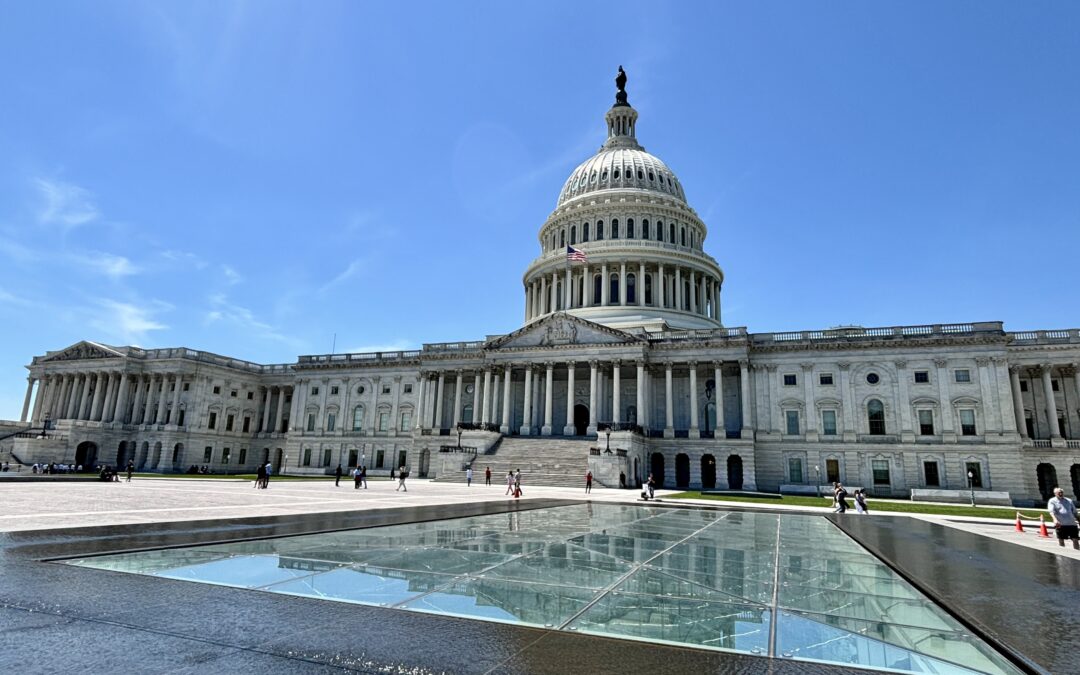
(562,329)
(84,350)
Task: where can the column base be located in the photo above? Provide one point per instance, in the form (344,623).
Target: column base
(569,430)
(746,434)
(591,430)
(1057,442)
(504,430)
(693,433)
(525,430)
(669,432)
(545,430)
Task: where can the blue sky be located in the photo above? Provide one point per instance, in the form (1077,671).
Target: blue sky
(254,178)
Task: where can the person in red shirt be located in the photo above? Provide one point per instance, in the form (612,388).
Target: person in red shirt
(588,482)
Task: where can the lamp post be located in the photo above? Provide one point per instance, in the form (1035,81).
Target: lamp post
(708,399)
(607,447)
(459,439)
(817,483)
(971,486)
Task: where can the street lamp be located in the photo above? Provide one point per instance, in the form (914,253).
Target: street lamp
(817,485)
(708,398)
(971,486)
(459,439)
(607,447)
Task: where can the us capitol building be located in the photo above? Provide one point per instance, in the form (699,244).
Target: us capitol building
(623,366)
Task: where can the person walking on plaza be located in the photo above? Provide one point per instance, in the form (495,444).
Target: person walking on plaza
(403,473)
(651,485)
(517,483)
(487,476)
(860,502)
(363,475)
(266,475)
(357,476)
(1063,511)
(588,482)
(468,477)
(260,474)
(840,495)
(510,483)
(337,476)
(130,470)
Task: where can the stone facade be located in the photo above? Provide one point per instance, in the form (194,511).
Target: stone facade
(626,348)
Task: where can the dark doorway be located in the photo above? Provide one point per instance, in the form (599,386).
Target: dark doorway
(277,468)
(734,472)
(930,469)
(122,454)
(353,457)
(1074,473)
(832,470)
(581,419)
(682,470)
(1047,479)
(177,455)
(86,455)
(657,469)
(708,472)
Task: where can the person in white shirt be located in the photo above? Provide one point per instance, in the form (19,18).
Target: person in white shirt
(1063,511)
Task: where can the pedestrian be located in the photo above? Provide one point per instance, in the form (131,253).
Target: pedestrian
(622,480)
(260,474)
(337,475)
(860,502)
(517,483)
(357,477)
(588,482)
(651,486)
(403,473)
(487,476)
(363,475)
(130,470)
(468,477)
(841,498)
(266,475)
(1063,511)
(509,483)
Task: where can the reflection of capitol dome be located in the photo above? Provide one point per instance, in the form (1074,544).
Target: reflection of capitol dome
(645,268)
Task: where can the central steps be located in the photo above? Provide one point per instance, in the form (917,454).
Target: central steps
(546,460)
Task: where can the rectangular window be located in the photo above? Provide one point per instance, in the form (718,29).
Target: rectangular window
(229,423)
(1023,385)
(251,396)
(794,465)
(790,380)
(326,457)
(212,422)
(384,421)
(314,391)
(406,420)
(386,389)
(974,474)
(247,424)
(232,393)
(217,390)
(922,377)
(930,471)
(825,379)
(331,421)
(357,418)
(180,419)
(880,468)
(832,470)
(792,417)
(1054,385)
(208,454)
(926,422)
(407,389)
(379,459)
(333,391)
(307,456)
(187,386)
(225,455)
(311,422)
(963,375)
(828,422)
(242,459)
(967,422)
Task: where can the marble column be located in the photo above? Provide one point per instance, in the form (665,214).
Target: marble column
(568,290)
(720,430)
(456,417)
(549,382)
(542,300)
(437,417)
(622,283)
(808,395)
(616,392)
(485,418)
(640,384)
(989,410)
(120,414)
(265,427)
(554,291)
(593,365)
(26,400)
(99,391)
(528,302)
(136,413)
(279,418)
(1051,405)
(744,383)
(107,413)
(678,289)
(174,416)
(669,408)
(61,405)
(695,432)
(641,291)
(605,285)
(506,408)
(569,429)
(526,422)
(693,293)
(496,380)
(661,299)
(161,401)
(476,398)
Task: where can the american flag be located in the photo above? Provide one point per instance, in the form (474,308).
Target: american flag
(574,255)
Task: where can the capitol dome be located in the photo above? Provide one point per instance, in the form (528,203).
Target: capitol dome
(637,261)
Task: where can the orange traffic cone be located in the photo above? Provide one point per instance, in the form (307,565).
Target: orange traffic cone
(1019,525)
(1042,527)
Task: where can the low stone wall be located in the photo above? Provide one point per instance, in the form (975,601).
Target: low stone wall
(961,496)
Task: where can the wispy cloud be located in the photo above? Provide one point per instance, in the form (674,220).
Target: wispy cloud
(65,204)
(113,266)
(232,277)
(184,258)
(129,323)
(8,298)
(394,346)
(349,272)
(221,309)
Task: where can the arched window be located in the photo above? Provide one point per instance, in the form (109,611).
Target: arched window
(648,289)
(573,234)
(614,228)
(659,230)
(682,236)
(562,238)
(599,230)
(645,232)
(875,413)
(616,176)
(597,288)
(671,237)
(629,228)
(613,296)
(585,232)
(640,174)
(358,418)
(559,296)
(603,176)
(631,289)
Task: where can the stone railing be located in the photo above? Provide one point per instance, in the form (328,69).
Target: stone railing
(1040,443)
(453,448)
(363,357)
(697,334)
(620,245)
(207,357)
(453,346)
(856,333)
(1041,337)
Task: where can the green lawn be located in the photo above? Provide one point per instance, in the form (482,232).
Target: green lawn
(236,476)
(902,506)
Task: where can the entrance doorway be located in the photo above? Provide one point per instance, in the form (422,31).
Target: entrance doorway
(277,468)
(682,470)
(1047,475)
(581,419)
(657,469)
(121,454)
(708,472)
(734,472)
(86,455)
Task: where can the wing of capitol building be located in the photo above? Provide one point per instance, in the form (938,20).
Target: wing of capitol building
(623,366)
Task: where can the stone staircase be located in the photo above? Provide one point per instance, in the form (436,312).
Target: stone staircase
(546,460)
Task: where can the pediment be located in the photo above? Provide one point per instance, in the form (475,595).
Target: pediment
(82,351)
(562,329)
